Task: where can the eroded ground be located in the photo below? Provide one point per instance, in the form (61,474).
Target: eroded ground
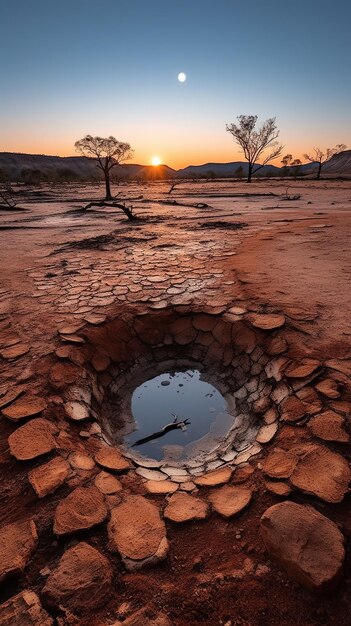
(262,284)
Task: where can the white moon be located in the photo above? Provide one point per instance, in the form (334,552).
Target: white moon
(182,77)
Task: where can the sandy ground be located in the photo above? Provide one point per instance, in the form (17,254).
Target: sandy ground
(283,255)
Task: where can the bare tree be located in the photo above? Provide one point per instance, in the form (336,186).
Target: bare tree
(8,199)
(255,142)
(108,152)
(288,162)
(320,157)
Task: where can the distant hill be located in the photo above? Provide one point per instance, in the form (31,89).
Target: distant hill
(33,167)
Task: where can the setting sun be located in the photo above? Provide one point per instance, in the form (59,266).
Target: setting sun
(155,160)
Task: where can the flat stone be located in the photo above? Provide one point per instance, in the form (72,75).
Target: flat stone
(149,474)
(83,508)
(18,541)
(306,543)
(303,369)
(107,483)
(322,473)
(328,388)
(11,395)
(70,329)
(175,471)
(81,581)
(277,345)
(229,501)
(79,460)
(329,426)
(13,352)
(270,416)
(73,339)
(213,479)
(47,478)
(62,374)
(137,532)
(24,407)
(24,610)
(161,486)
(280,464)
(95,320)
(77,411)
(267,321)
(183,507)
(237,310)
(246,455)
(267,432)
(33,439)
(111,459)
(292,410)
(277,487)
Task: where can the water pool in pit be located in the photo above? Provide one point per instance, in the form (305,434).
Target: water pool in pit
(177,415)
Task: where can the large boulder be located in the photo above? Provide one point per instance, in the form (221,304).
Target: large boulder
(81,581)
(17,543)
(137,532)
(48,477)
(24,610)
(322,473)
(83,508)
(308,545)
(33,439)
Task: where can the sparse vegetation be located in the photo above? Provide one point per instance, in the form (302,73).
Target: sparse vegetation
(107,151)
(255,142)
(320,157)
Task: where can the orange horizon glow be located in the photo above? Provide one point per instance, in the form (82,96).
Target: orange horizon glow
(156,161)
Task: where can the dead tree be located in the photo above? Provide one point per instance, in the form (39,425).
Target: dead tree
(8,199)
(115,205)
(320,157)
(107,151)
(255,142)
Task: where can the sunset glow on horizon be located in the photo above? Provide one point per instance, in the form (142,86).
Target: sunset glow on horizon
(51,100)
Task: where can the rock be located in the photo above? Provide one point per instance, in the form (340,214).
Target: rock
(12,395)
(213,479)
(152,475)
(280,464)
(245,455)
(229,501)
(237,310)
(267,321)
(13,352)
(183,507)
(25,407)
(107,483)
(267,432)
(307,544)
(79,460)
(261,405)
(329,426)
(62,374)
(33,439)
(18,541)
(322,473)
(24,610)
(95,319)
(292,410)
(328,388)
(145,617)
(83,508)
(70,329)
(278,488)
(73,339)
(47,478)
(77,411)
(81,581)
(277,345)
(270,416)
(161,486)
(111,459)
(242,474)
(305,368)
(137,532)
(309,396)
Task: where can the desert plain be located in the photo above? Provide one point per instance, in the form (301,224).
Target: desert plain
(256,276)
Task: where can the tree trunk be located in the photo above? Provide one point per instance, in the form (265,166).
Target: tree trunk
(107,183)
(249,175)
(319,171)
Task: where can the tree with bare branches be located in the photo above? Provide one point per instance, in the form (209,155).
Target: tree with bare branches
(254,142)
(108,152)
(320,156)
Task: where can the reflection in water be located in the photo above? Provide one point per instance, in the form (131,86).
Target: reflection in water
(174,410)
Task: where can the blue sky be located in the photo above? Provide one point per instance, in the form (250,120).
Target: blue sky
(78,67)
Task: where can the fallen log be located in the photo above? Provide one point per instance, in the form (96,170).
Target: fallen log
(114,205)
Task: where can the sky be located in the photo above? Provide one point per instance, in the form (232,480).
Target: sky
(74,67)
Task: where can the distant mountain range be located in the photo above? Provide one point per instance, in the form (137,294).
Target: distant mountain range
(32,167)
